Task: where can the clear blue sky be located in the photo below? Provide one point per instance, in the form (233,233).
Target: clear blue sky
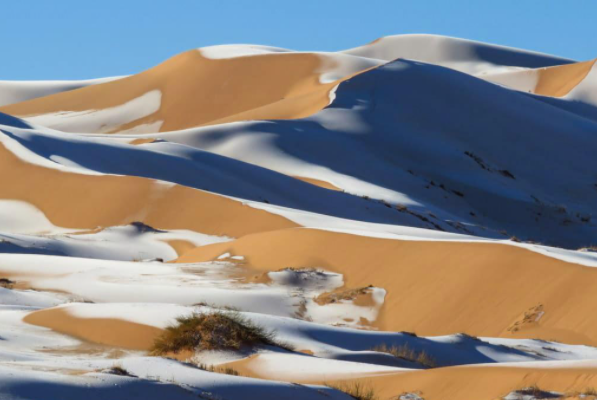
(76,39)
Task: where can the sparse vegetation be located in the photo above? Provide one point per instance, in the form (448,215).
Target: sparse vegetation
(119,370)
(144,228)
(470,337)
(6,283)
(347,295)
(212,331)
(218,370)
(356,390)
(406,352)
(591,391)
(506,173)
(535,392)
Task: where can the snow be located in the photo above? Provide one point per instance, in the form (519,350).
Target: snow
(289,367)
(19,149)
(238,50)
(20,217)
(524,80)
(109,281)
(125,243)
(460,54)
(334,65)
(104,120)
(17,91)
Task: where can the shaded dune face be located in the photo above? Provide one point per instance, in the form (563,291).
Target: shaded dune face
(197,91)
(437,288)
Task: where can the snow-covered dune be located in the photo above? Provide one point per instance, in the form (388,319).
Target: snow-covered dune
(253,222)
(199,87)
(460,54)
(440,143)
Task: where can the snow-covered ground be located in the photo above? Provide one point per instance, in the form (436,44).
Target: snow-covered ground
(427,139)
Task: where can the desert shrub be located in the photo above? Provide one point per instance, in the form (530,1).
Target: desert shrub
(406,352)
(356,390)
(469,337)
(119,370)
(212,331)
(6,283)
(409,333)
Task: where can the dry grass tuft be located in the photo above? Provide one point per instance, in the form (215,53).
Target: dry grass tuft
(406,352)
(591,391)
(342,295)
(356,390)
(212,331)
(536,392)
(218,370)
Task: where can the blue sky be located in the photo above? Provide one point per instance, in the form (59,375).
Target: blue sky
(68,39)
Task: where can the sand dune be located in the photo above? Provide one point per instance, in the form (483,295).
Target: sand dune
(460,54)
(488,286)
(243,82)
(197,90)
(369,211)
(18,91)
(556,81)
(393,144)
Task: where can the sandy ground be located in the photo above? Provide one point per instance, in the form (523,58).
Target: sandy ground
(111,332)
(560,80)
